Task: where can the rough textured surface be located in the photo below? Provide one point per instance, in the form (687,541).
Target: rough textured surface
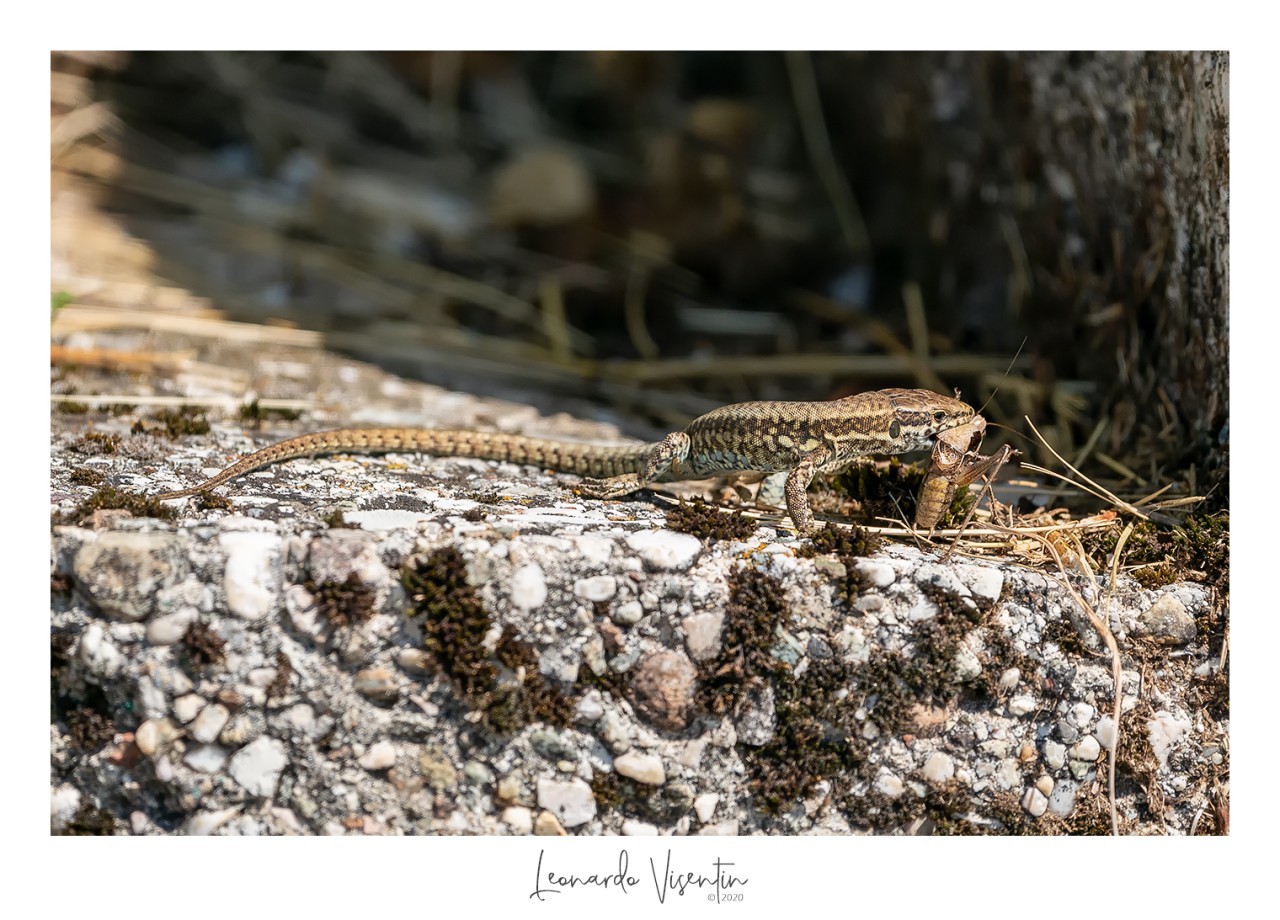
(481,651)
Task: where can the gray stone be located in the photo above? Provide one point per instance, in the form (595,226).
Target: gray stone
(702,634)
(570,801)
(122,572)
(661,689)
(1167,622)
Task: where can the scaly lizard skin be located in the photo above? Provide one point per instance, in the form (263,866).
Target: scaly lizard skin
(800,439)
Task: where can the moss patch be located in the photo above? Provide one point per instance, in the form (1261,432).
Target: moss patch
(346,603)
(111,498)
(506,685)
(96,442)
(202,647)
(699,519)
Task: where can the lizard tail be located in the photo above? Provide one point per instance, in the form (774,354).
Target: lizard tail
(565,456)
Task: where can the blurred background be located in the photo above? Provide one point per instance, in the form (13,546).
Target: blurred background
(645,236)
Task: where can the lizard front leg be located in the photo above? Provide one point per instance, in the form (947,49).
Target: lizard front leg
(671,451)
(796,491)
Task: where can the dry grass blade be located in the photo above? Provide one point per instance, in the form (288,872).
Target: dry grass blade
(1092,488)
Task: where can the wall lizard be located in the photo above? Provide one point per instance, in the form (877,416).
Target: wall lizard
(798,439)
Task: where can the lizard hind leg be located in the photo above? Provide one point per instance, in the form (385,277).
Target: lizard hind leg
(660,459)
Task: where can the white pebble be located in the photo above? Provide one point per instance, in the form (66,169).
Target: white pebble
(1106,732)
(665,549)
(1009,679)
(206,822)
(379,757)
(889,785)
(1045,784)
(257,766)
(1055,754)
(627,614)
(704,806)
(186,708)
(1081,714)
(64,802)
(518,818)
(206,758)
(939,768)
(643,768)
(1165,731)
(528,587)
(571,801)
(634,828)
(251,579)
(98,653)
(597,588)
(1035,802)
(210,722)
(168,629)
(1021,705)
(1087,749)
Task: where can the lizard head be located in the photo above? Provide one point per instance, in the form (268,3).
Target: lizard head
(919,416)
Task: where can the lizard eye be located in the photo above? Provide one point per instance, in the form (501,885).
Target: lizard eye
(939,415)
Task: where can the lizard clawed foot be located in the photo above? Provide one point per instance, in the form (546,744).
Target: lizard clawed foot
(613,487)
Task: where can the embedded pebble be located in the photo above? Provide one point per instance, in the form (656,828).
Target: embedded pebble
(251,578)
(939,768)
(170,628)
(628,613)
(1021,705)
(643,768)
(597,588)
(665,550)
(571,801)
(982,581)
(590,707)
(633,828)
(124,571)
(1055,754)
(206,822)
(206,758)
(186,708)
(1087,750)
(209,722)
(1106,732)
(437,769)
(1045,784)
(1081,714)
(528,587)
(1009,679)
(1063,798)
(890,785)
(244,727)
(661,689)
(877,574)
(381,756)
(64,802)
(702,634)
(1167,622)
(477,773)
(548,826)
(723,829)
(1165,731)
(551,746)
(1035,802)
(257,766)
(518,818)
(98,653)
(704,806)
(378,684)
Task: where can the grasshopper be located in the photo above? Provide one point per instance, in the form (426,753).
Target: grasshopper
(955,462)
